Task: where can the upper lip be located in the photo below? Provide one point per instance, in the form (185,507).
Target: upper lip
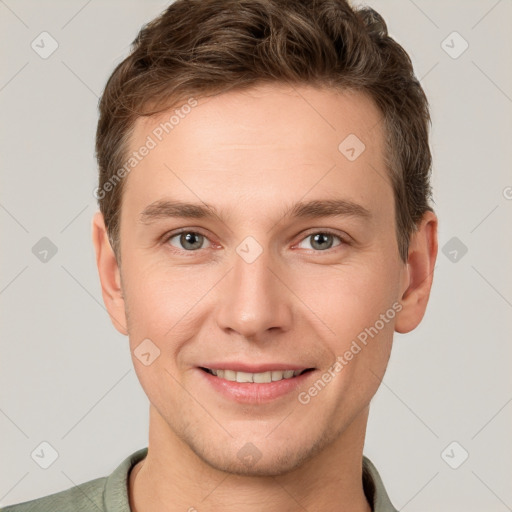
(254,368)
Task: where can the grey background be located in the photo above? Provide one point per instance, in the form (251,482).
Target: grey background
(66,376)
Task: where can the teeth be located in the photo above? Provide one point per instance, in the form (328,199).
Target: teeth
(277,375)
(264,377)
(244,377)
(230,375)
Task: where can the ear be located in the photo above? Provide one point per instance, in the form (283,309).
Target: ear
(110,276)
(418,274)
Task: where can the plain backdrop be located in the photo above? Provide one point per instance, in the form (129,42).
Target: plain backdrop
(66,377)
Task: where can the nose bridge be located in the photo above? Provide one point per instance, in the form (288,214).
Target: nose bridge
(253,299)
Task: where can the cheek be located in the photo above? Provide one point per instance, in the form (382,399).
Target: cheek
(166,306)
(356,303)
(158,324)
(159,298)
(349,298)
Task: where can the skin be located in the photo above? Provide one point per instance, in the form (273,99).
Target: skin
(297,303)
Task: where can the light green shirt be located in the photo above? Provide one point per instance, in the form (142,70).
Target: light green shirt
(110,493)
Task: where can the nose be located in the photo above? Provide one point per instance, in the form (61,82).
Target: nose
(254,298)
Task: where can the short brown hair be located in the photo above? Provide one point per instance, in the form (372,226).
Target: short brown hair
(206,47)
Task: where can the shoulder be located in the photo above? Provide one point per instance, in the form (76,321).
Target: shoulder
(98,495)
(81,498)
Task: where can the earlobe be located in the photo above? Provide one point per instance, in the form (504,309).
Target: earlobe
(109,274)
(418,274)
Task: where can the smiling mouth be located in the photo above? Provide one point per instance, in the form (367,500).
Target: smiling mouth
(258,378)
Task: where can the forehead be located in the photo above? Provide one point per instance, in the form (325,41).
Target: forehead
(294,112)
(260,144)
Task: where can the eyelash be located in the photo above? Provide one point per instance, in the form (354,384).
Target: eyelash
(343,241)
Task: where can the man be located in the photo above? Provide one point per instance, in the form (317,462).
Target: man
(264,228)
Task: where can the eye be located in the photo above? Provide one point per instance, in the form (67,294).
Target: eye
(322,240)
(187,240)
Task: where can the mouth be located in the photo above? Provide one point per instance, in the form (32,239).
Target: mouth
(258,378)
(263,385)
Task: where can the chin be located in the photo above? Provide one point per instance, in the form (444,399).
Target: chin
(261,458)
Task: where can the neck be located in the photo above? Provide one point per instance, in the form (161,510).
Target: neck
(330,480)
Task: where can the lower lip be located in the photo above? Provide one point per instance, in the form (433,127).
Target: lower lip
(252,392)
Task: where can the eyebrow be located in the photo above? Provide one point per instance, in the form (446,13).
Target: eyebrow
(162,209)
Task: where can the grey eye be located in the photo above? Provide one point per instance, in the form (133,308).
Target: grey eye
(321,241)
(188,240)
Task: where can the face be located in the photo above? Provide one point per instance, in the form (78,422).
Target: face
(287,260)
